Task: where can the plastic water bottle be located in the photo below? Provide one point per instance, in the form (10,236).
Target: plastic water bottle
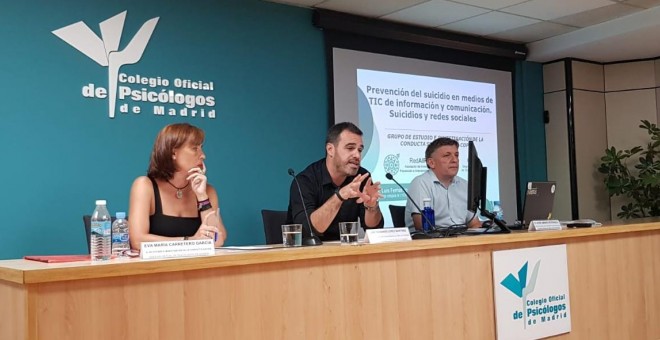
(498,212)
(430,216)
(100,232)
(120,235)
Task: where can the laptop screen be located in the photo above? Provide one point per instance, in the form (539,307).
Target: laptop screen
(539,200)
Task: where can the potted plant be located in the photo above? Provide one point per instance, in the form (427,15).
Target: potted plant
(635,174)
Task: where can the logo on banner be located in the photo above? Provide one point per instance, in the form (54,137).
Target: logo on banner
(535,310)
(137,89)
(391,164)
(531,292)
(519,287)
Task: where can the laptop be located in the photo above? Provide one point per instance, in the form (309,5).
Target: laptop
(539,201)
(538,204)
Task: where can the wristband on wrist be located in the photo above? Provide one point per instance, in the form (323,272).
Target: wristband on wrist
(185,238)
(339,196)
(204,205)
(368,208)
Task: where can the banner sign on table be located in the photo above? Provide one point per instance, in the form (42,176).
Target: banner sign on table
(531,292)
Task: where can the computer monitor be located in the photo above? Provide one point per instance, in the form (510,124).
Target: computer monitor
(477,184)
(477,179)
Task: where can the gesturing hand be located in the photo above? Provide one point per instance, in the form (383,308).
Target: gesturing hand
(352,190)
(370,193)
(197,178)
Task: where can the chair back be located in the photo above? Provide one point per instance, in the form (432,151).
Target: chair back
(398,213)
(273,220)
(87,221)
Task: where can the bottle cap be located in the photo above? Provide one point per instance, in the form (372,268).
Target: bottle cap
(120,215)
(100,202)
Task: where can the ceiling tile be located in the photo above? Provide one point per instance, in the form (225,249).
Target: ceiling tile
(548,10)
(596,16)
(370,8)
(628,47)
(301,3)
(533,32)
(634,33)
(435,13)
(643,3)
(489,23)
(491,4)
(634,36)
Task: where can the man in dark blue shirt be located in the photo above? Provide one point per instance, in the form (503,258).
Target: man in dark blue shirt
(336,188)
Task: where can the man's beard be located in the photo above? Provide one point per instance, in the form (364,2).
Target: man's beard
(348,170)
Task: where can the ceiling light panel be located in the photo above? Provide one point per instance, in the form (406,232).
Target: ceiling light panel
(548,10)
(369,8)
(435,13)
(490,23)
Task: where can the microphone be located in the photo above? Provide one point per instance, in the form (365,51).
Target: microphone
(391,178)
(311,240)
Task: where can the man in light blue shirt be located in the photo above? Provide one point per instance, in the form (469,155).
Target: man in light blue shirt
(447,192)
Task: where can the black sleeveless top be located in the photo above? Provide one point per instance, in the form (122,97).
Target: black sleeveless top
(171,226)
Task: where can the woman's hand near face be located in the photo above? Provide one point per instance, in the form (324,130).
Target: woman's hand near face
(197,178)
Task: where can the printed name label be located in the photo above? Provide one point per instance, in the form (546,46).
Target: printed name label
(176,249)
(384,235)
(541,225)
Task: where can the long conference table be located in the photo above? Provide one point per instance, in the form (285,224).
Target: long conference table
(424,289)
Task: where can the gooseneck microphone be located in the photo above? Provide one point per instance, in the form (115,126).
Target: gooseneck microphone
(311,240)
(391,178)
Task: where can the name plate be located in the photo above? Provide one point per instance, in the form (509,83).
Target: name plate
(384,235)
(176,249)
(541,225)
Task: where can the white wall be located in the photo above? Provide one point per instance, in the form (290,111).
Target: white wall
(609,101)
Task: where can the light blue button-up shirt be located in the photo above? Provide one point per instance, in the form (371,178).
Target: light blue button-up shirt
(449,203)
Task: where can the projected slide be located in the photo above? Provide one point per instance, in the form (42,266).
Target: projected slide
(403,104)
(410,111)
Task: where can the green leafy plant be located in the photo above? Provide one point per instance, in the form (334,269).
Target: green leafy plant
(639,184)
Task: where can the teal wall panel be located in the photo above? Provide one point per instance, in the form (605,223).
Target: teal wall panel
(62,151)
(530,128)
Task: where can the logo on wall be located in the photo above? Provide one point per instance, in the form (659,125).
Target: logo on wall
(136,89)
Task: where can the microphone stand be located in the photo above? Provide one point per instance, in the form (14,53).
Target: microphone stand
(390,177)
(312,239)
(493,218)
